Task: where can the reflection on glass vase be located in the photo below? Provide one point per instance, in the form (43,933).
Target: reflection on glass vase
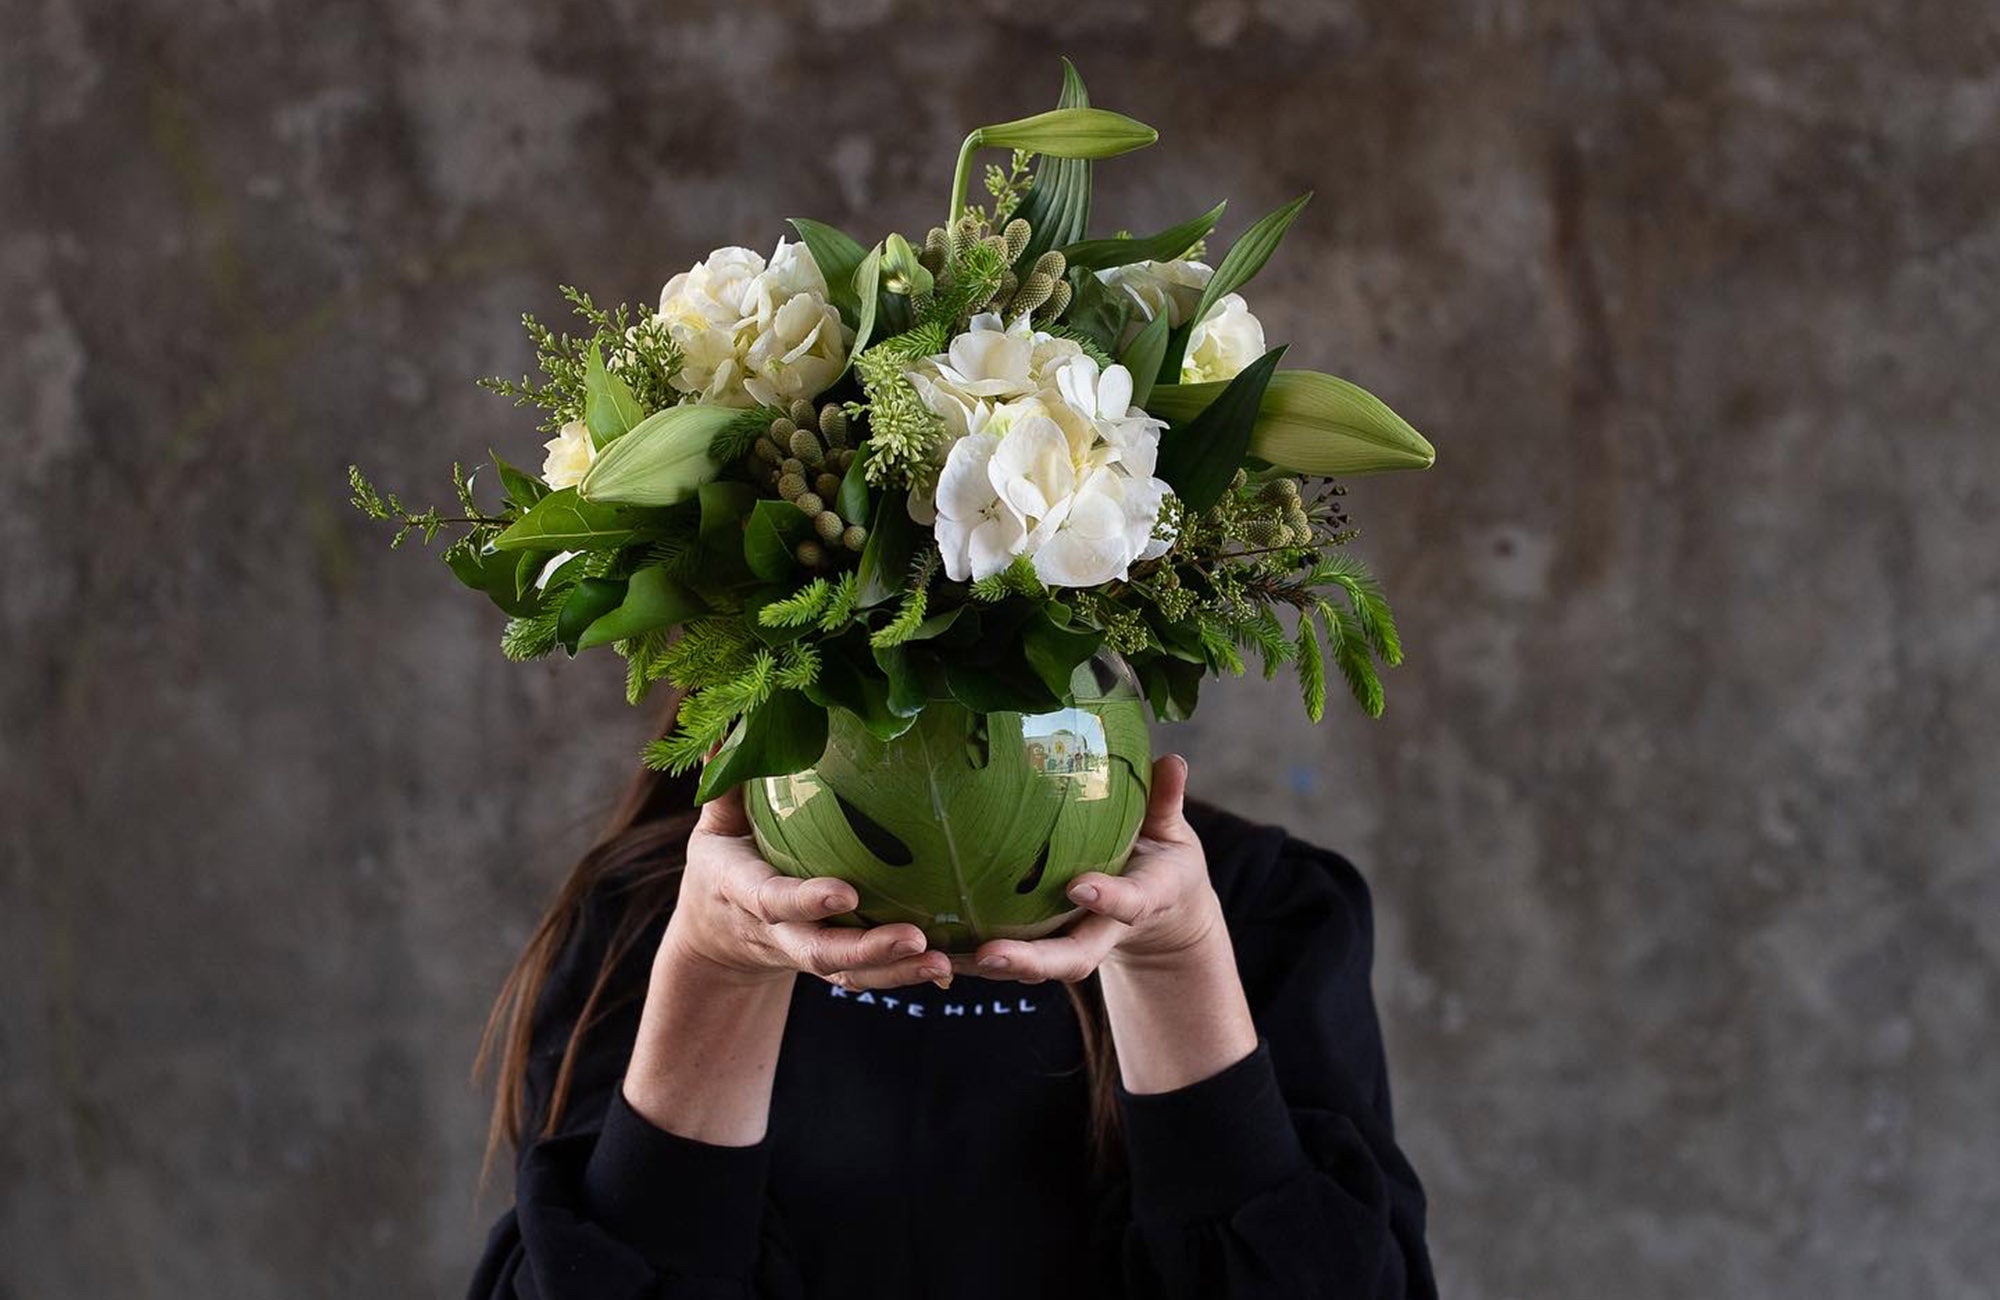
(970,826)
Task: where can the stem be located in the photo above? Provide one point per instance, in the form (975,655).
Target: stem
(962,177)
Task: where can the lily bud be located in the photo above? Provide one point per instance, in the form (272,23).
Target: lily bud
(662,461)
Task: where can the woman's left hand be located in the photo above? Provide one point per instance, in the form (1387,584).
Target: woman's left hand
(1160,909)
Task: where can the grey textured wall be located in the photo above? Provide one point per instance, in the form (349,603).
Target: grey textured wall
(1682,822)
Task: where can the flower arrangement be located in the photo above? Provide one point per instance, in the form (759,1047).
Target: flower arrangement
(848,481)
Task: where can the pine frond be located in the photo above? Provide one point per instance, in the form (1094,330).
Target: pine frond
(1371,607)
(734,440)
(916,601)
(530,638)
(840,604)
(798,667)
(802,607)
(1351,655)
(1311,667)
(1017,579)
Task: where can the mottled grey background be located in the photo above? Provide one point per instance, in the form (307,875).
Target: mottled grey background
(1682,821)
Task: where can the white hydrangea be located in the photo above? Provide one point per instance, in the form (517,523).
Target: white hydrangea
(1050,459)
(753,332)
(1226,339)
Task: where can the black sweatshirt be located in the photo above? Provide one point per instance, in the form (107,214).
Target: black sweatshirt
(933,1143)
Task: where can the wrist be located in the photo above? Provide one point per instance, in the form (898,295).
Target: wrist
(689,960)
(1197,941)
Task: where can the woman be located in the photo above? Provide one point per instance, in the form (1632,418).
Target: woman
(1204,1114)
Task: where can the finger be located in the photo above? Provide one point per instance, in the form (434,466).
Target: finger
(924,968)
(1122,898)
(824,949)
(1067,957)
(777,899)
(1164,820)
(724,815)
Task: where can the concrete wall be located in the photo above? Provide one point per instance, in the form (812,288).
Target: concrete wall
(1682,821)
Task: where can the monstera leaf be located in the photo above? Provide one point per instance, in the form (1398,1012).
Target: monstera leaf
(966,825)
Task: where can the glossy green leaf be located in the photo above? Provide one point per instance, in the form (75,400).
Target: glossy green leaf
(1143,356)
(1310,423)
(521,487)
(1007,684)
(902,671)
(851,502)
(1200,456)
(663,460)
(492,572)
(863,692)
(770,535)
(1054,652)
(837,254)
(884,572)
(784,734)
(561,522)
(653,600)
(1173,686)
(588,601)
(1245,258)
(868,287)
(1103,254)
(609,409)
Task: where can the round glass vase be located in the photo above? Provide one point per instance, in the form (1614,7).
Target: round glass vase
(970,826)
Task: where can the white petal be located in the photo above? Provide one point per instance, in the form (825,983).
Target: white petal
(954,539)
(964,487)
(995,543)
(1070,559)
(1114,393)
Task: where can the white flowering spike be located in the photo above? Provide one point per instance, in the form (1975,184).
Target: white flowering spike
(570,453)
(754,333)
(1223,342)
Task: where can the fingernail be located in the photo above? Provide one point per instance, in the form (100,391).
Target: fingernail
(993,963)
(908,947)
(1083,893)
(943,981)
(833,903)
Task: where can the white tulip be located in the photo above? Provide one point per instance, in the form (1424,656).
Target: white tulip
(1223,342)
(570,453)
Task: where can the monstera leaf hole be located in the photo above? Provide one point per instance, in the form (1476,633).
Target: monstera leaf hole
(968,826)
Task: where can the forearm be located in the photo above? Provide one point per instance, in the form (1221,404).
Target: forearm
(707,1050)
(1178,1019)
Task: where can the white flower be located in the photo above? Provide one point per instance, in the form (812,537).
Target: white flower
(1153,287)
(1223,342)
(752,332)
(1100,528)
(570,454)
(1106,401)
(977,534)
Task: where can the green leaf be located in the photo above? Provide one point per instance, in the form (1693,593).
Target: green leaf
(1095,312)
(562,522)
(862,692)
(1199,457)
(1057,206)
(1173,686)
(770,535)
(1008,685)
(662,460)
(851,502)
(1312,423)
(1069,133)
(1245,258)
(1143,357)
(609,409)
(784,734)
(1103,254)
(522,488)
(884,572)
(588,601)
(838,254)
(1054,652)
(902,671)
(867,287)
(652,601)
(492,572)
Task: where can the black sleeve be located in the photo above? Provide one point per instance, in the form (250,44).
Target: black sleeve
(1280,1175)
(611,1207)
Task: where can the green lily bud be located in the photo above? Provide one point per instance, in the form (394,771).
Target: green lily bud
(903,269)
(662,461)
(1069,133)
(1311,423)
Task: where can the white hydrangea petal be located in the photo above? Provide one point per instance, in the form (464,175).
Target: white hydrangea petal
(954,540)
(964,487)
(994,543)
(1114,393)
(1031,469)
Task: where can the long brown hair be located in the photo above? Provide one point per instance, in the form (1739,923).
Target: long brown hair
(644,843)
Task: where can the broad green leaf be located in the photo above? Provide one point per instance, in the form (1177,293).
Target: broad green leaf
(652,601)
(588,601)
(1103,254)
(1054,652)
(1096,312)
(1312,423)
(1057,205)
(1006,685)
(1069,133)
(851,503)
(1143,356)
(1245,258)
(662,461)
(492,572)
(609,409)
(1173,686)
(868,286)
(521,487)
(562,522)
(863,692)
(770,535)
(1200,456)
(902,671)
(884,572)
(784,734)
(837,254)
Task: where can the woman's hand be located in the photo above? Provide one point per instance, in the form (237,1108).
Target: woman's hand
(739,919)
(1160,911)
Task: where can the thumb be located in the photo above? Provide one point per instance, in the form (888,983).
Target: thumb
(1163,802)
(724,815)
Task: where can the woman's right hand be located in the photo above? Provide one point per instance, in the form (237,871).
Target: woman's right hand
(740,918)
